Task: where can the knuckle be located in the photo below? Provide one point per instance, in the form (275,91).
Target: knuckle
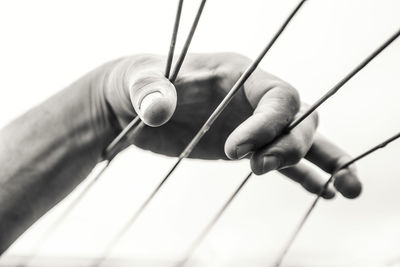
(233,63)
(237,57)
(269,130)
(291,94)
(289,88)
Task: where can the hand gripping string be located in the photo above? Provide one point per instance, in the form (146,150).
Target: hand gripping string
(114,241)
(108,154)
(189,148)
(224,103)
(295,123)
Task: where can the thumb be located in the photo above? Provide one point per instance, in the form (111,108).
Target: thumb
(153,97)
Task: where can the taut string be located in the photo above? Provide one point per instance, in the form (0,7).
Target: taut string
(114,241)
(204,128)
(111,150)
(295,123)
(173,39)
(107,157)
(330,180)
(189,148)
(224,103)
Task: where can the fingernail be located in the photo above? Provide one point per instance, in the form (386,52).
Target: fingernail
(243,150)
(270,163)
(148,100)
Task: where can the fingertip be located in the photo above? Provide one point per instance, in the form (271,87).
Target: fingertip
(350,191)
(237,148)
(155,109)
(255,166)
(348,184)
(230,149)
(261,164)
(330,193)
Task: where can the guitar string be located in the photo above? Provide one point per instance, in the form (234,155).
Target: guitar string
(122,135)
(185,48)
(297,230)
(173,39)
(196,139)
(107,156)
(132,126)
(295,123)
(189,148)
(114,241)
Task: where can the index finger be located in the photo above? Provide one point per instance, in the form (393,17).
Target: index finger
(275,104)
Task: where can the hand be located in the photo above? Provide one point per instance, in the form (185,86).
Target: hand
(249,126)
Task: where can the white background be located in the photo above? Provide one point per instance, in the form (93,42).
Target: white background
(46,45)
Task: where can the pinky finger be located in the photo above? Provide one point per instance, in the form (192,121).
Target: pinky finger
(308,178)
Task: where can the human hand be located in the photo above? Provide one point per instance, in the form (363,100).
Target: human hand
(248,127)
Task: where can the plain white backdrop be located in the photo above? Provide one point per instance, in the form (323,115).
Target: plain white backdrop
(46,45)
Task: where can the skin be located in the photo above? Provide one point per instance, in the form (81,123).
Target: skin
(48,151)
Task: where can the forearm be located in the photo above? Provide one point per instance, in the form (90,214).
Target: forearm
(46,152)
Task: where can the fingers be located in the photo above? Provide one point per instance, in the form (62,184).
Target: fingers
(275,108)
(309,179)
(287,150)
(329,158)
(153,97)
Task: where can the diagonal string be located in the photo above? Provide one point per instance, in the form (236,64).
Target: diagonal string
(330,180)
(295,123)
(342,82)
(54,226)
(224,103)
(319,102)
(121,233)
(189,38)
(211,224)
(110,152)
(236,87)
(189,148)
(205,127)
(173,39)
(108,156)
(114,241)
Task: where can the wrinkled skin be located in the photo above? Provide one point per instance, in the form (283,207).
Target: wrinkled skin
(249,126)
